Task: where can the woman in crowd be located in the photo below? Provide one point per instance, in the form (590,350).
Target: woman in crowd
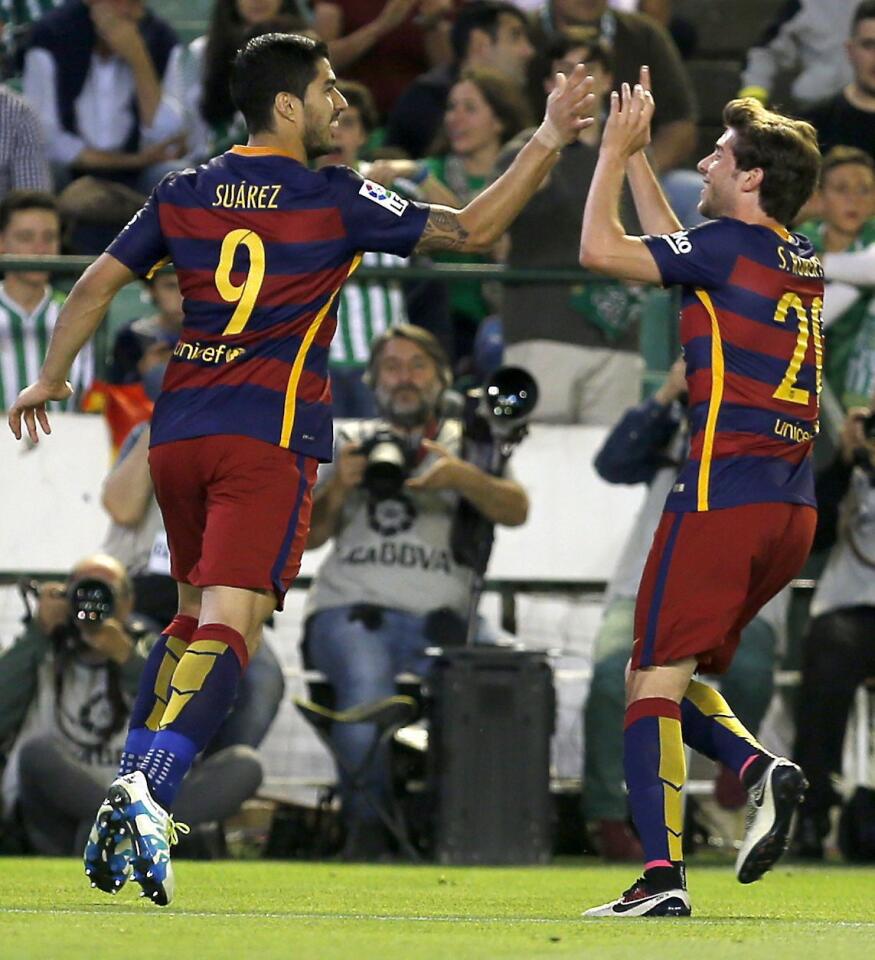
(484,111)
(197,75)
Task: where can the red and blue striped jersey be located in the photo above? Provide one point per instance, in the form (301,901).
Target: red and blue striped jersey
(752,337)
(262,246)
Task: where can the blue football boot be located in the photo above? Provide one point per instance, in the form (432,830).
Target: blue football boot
(109,851)
(152,830)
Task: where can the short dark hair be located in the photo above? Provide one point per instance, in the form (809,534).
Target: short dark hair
(426,341)
(357,95)
(784,149)
(17,200)
(266,66)
(841,156)
(480,15)
(571,38)
(864,11)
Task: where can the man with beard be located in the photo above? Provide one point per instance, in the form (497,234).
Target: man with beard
(391,586)
(262,246)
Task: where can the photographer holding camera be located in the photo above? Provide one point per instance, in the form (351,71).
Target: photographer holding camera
(392,584)
(838,653)
(66,689)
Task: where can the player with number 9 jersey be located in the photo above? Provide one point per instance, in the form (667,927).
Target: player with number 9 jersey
(262,246)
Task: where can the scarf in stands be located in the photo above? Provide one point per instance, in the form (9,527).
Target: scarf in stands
(68,34)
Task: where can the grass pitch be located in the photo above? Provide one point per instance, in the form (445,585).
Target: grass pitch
(266,910)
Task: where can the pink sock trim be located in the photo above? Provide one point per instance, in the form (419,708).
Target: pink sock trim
(746,764)
(657,863)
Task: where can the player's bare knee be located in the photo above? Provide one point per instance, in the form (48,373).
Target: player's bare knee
(189,600)
(669,681)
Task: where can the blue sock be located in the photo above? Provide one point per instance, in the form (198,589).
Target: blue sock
(202,691)
(655,769)
(154,690)
(711,728)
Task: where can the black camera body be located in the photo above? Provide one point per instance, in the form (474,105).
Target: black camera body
(389,462)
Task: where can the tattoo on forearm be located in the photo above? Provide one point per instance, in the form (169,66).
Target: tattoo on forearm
(442,231)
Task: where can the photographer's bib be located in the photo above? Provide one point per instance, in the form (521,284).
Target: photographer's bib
(396,552)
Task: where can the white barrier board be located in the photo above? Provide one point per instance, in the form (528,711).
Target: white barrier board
(577,523)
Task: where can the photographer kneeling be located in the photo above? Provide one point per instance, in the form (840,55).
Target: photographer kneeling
(392,586)
(839,650)
(66,689)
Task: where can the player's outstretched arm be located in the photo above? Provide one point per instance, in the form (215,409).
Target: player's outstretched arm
(604,245)
(480,224)
(80,316)
(654,212)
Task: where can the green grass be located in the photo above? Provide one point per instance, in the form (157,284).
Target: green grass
(266,910)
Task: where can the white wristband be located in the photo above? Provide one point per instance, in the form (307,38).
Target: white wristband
(548,133)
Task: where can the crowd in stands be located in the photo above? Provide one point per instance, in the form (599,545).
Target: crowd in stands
(102,98)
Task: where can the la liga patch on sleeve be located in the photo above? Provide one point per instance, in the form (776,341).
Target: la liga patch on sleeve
(379,194)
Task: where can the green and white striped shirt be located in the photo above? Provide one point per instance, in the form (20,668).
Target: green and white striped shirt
(16,14)
(367,309)
(24,339)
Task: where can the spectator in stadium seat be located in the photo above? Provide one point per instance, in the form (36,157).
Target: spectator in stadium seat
(93,71)
(197,73)
(29,305)
(147,342)
(492,34)
(808,39)
(23,159)
(392,584)
(16,21)
(846,225)
(634,40)
(484,111)
(838,653)
(848,117)
(682,31)
(648,445)
(584,349)
(366,308)
(65,693)
(137,539)
(384,44)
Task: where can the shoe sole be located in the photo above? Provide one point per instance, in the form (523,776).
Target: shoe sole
(120,800)
(788,788)
(97,871)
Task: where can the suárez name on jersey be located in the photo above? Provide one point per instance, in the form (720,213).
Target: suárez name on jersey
(247,196)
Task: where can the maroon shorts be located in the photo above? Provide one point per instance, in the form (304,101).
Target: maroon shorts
(708,574)
(236,511)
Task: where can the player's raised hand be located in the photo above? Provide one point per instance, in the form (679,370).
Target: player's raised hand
(571,108)
(628,128)
(31,406)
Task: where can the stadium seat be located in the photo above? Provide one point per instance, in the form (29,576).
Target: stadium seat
(388,716)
